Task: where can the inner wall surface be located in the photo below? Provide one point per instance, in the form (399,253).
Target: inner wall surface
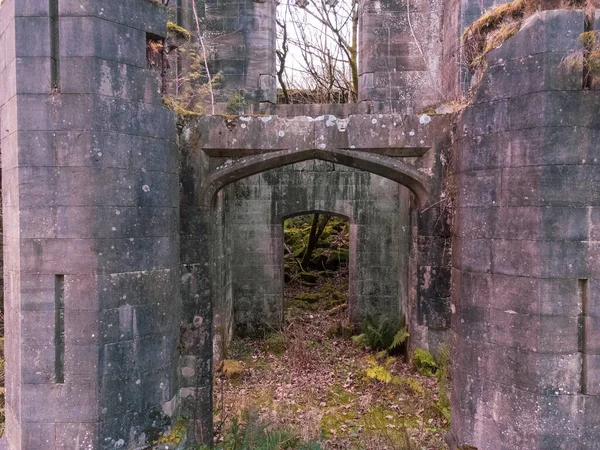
(251,244)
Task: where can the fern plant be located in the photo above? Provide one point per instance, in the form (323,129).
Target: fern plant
(381,334)
(251,433)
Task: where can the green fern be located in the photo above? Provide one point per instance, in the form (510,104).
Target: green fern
(253,434)
(399,338)
(381,334)
(424,362)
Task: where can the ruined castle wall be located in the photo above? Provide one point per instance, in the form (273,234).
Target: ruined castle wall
(240,35)
(526,268)
(400,55)
(91,229)
(380,238)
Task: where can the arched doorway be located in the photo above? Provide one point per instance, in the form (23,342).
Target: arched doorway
(248,245)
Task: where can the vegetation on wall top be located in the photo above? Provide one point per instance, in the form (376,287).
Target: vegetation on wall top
(493,28)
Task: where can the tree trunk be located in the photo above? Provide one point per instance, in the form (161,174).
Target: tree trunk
(316,231)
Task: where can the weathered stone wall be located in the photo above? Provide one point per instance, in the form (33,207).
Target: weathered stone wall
(106,332)
(224,254)
(91,230)
(240,35)
(525,362)
(400,54)
(380,230)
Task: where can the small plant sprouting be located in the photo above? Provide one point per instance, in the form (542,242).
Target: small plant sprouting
(237,104)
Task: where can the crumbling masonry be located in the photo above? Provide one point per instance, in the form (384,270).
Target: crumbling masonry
(135,244)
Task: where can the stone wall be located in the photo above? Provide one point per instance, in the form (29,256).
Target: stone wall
(400,54)
(240,35)
(525,361)
(91,230)
(380,230)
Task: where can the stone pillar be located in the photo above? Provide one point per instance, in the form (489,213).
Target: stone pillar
(526,364)
(399,54)
(241,35)
(90,194)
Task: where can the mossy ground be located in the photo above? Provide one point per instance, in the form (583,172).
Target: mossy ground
(310,377)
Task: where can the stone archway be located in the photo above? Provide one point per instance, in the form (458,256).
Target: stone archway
(384,166)
(218,152)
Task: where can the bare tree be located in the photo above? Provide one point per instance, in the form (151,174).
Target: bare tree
(318,47)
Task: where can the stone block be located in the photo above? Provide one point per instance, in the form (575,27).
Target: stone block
(33,35)
(556,417)
(90,36)
(535,73)
(476,222)
(472,289)
(522,260)
(564,259)
(88,75)
(153,352)
(487,151)
(69,402)
(7,16)
(82,292)
(434,312)
(37,292)
(521,186)
(553,109)
(39,358)
(473,325)
(546,31)
(558,334)
(39,435)
(8,117)
(71,435)
(31,8)
(485,192)
(29,70)
(81,362)
(474,255)
(526,295)
(115,360)
(58,256)
(523,223)
(141,15)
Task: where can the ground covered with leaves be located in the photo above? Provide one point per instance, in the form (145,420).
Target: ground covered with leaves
(310,385)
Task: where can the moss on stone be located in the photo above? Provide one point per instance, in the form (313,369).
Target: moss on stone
(308,276)
(231,369)
(306,306)
(276,343)
(157,3)
(337,258)
(493,28)
(309,297)
(176,107)
(179,31)
(176,434)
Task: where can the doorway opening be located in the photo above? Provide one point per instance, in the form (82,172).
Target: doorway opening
(312,383)
(316,268)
